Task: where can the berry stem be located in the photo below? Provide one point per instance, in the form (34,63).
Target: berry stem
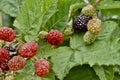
(86,1)
(10,75)
(0,19)
(96,2)
(53,46)
(35,57)
(94,16)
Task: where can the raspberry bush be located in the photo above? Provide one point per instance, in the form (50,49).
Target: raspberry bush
(59,39)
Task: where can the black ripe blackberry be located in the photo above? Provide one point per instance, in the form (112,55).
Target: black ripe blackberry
(10,48)
(80,23)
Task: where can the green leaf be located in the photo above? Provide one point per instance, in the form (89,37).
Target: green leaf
(28,73)
(52,9)
(33,14)
(81,73)
(50,76)
(74,8)
(109,10)
(104,72)
(113,14)
(104,51)
(108,28)
(60,19)
(1,23)
(11,7)
(61,61)
(45,50)
(105,4)
(7,20)
(117,69)
(117,77)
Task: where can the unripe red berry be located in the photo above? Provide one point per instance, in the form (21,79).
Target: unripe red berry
(4,65)
(42,67)
(7,34)
(29,49)
(55,37)
(4,55)
(16,63)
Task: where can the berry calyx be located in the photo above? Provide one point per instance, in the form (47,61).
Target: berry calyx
(42,67)
(7,34)
(55,37)
(80,23)
(89,37)
(94,25)
(4,55)
(88,10)
(29,49)
(16,63)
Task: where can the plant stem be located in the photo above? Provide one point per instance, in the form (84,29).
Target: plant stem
(96,2)
(0,18)
(35,57)
(86,1)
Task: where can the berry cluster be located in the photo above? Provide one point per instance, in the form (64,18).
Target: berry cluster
(87,21)
(16,62)
(14,58)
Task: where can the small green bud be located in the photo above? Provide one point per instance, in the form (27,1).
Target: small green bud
(68,31)
(42,35)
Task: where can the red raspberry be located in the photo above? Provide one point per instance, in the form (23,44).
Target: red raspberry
(4,55)
(42,67)
(4,65)
(16,63)
(7,34)
(55,37)
(29,49)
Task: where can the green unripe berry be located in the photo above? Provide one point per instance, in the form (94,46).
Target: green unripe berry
(88,10)
(89,37)
(94,25)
